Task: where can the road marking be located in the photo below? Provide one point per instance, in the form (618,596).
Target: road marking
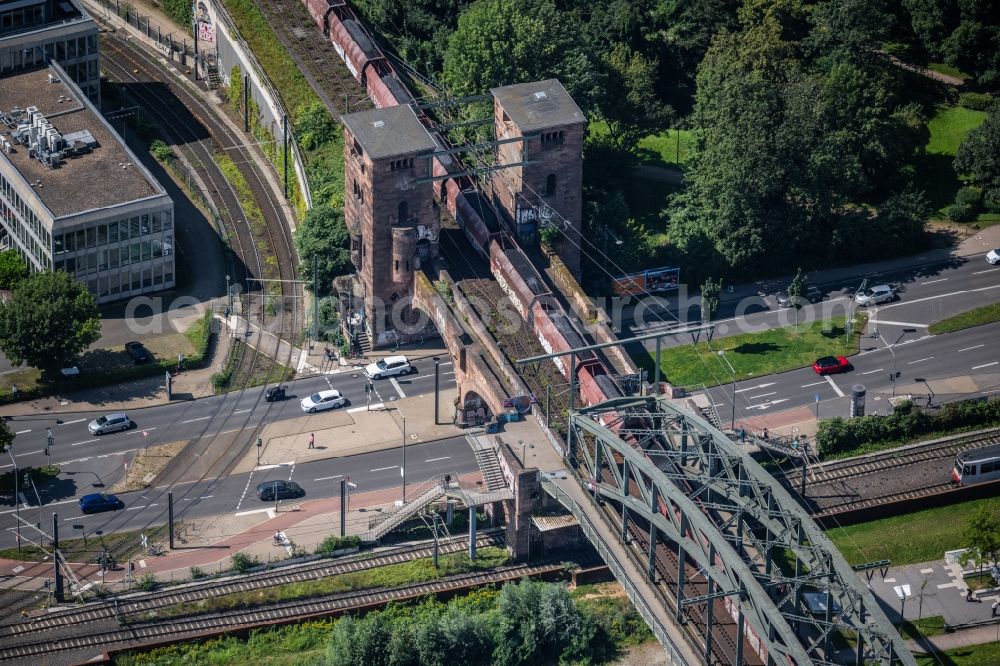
(934,281)
(71,422)
(985,365)
(871,372)
(899,323)
(813,384)
(762,395)
(920,360)
(443,374)
(754,388)
(382,469)
(972,347)
(260,468)
(395,385)
(243,411)
(327,478)
(765,405)
(195,499)
(139,432)
(835,387)
(22,432)
(200,418)
(436,459)
(374,405)
(988,270)
(270,512)
(3,513)
(86,441)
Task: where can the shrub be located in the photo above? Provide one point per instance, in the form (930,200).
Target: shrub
(969,196)
(547,235)
(220,380)
(958,213)
(161,151)
(332,544)
(976,101)
(147,583)
(242,563)
(196,573)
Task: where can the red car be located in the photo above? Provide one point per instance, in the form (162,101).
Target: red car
(831,365)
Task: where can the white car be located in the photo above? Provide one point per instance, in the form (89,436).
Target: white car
(881,293)
(109,423)
(317,402)
(993,256)
(389,366)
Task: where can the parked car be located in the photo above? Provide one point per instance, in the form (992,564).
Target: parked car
(388,367)
(812,294)
(993,256)
(98,502)
(285,490)
(275,393)
(138,353)
(110,423)
(831,365)
(881,293)
(321,400)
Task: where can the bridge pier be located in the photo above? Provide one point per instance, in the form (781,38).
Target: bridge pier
(472,533)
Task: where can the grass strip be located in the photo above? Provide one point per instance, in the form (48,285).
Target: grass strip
(124,544)
(393,575)
(985,654)
(755,354)
(920,536)
(986,314)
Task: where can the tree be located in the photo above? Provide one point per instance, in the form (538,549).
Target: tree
(982,535)
(324,235)
(710,296)
(626,101)
(12,269)
(796,294)
(978,158)
(6,436)
(49,321)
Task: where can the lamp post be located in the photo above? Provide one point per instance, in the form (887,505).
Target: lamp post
(402,470)
(607,234)
(17,502)
(722,355)
(902,591)
(892,377)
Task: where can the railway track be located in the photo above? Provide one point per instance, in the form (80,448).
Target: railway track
(317,59)
(109,609)
(175,629)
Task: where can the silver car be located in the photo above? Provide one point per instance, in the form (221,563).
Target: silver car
(110,423)
(881,293)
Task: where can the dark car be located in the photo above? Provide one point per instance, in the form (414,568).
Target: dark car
(831,365)
(275,393)
(138,353)
(811,294)
(99,502)
(285,490)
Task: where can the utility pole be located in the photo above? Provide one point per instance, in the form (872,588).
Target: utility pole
(402,470)
(17,498)
(284,148)
(276,496)
(170,519)
(343,507)
(437,388)
(49,441)
(315,297)
(722,355)
(260,445)
(56,571)
(246,102)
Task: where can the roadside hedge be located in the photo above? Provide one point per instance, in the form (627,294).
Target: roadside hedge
(332,544)
(841,435)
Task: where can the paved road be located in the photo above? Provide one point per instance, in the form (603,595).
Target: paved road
(929,293)
(974,351)
(235,493)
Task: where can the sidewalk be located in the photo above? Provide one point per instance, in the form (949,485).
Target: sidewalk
(962,638)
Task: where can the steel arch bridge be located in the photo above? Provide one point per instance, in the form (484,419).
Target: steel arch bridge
(730,551)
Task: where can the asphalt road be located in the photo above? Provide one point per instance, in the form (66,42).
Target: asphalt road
(926,294)
(918,356)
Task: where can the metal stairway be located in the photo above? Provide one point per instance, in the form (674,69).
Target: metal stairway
(214,81)
(489,465)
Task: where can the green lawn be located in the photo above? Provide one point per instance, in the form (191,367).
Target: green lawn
(947,70)
(920,536)
(987,654)
(670,148)
(948,128)
(986,314)
(755,354)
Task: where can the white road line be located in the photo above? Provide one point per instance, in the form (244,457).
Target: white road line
(86,441)
(835,387)
(972,347)
(2,513)
(259,468)
(327,478)
(270,512)
(920,360)
(374,405)
(395,385)
(436,459)
(291,471)
(899,323)
(242,411)
(934,281)
(985,365)
(139,431)
(813,384)
(22,432)
(71,422)
(382,469)
(762,395)
(195,499)
(200,418)
(871,372)
(988,270)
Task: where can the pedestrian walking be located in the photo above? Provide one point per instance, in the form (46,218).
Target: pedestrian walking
(795,443)
(995,608)
(766,435)
(743,435)
(312,441)
(968,594)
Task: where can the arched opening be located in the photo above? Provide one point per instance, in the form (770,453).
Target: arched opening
(402,212)
(473,411)
(550,185)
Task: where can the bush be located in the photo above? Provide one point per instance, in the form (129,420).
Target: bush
(220,380)
(161,151)
(959,213)
(969,196)
(147,583)
(196,573)
(976,101)
(242,563)
(332,544)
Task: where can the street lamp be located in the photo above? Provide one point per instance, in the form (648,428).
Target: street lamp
(902,591)
(402,470)
(892,377)
(17,502)
(607,234)
(722,355)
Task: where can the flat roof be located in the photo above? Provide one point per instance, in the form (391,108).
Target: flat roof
(107,176)
(538,105)
(394,130)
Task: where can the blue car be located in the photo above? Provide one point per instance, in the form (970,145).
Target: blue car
(99,502)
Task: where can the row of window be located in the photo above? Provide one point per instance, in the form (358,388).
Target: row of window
(552,137)
(984,468)
(399,165)
(109,287)
(62,51)
(22,223)
(112,259)
(113,232)
(20,18)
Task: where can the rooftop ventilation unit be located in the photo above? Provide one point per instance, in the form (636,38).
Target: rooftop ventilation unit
(379,123)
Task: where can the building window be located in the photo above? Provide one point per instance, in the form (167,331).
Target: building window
(550,185)
(402,212)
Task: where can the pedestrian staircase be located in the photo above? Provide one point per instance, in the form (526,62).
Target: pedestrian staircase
(386,521)
(214,81)
(489,465)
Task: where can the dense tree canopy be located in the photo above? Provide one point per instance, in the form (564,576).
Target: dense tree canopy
(961,33)
(50,319)
(323,234)
(978,158)
(12,269)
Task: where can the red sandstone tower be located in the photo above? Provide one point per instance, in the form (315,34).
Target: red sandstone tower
(550,158)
